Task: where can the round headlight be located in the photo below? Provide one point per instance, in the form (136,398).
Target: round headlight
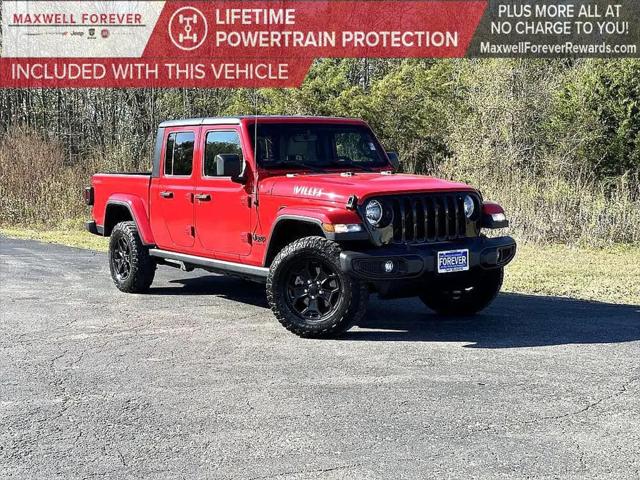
(374,212)
(469,206)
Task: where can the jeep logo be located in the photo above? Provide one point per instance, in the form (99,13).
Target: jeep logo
(307,191)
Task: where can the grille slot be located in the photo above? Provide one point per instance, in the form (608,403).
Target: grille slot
(429,218)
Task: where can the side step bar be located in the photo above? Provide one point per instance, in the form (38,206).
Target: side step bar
(220,266)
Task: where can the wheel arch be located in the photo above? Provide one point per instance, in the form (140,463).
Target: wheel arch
(115,212)
(288,228)
(122,208)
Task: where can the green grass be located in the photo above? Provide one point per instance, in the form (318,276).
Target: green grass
(608,274)
(72,237)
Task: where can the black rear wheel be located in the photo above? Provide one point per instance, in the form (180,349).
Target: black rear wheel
(132,268)
(466,296)
(308,292)
(121,259)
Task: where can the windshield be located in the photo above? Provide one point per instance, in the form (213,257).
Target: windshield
(316,146)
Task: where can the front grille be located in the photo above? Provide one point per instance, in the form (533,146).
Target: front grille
(430,218)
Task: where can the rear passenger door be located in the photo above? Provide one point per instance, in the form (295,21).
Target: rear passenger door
(171,196)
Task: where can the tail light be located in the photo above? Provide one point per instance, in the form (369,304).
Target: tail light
(493,216)
(87,195)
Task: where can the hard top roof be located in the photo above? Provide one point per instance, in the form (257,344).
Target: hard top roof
(238,120)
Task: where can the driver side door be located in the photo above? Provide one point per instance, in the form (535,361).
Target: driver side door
(222,206)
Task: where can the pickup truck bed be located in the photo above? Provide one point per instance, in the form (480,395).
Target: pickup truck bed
(114,187)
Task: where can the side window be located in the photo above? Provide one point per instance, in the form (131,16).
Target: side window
(222,154)
(178,158)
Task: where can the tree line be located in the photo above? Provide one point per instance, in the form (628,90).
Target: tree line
(536,134)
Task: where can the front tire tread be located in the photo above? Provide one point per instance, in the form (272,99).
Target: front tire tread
(356,291)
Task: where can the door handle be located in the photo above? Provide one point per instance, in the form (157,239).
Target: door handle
(166,194)
(203,197)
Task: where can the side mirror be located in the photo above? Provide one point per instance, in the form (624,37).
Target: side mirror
(240,178)
(394,159)
(232,166)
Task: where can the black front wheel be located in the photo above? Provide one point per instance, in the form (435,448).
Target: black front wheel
(308,292)
(466,296)
(132,268)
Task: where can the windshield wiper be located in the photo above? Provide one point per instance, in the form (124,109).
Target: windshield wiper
(319,168)
(351,165)
(294,163)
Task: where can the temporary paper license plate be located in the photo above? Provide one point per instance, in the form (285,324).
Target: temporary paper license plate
(453,261)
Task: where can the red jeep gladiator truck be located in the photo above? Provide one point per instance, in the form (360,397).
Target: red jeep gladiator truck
(312,207)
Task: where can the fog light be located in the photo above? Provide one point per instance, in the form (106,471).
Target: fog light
(388,266)
(498,217)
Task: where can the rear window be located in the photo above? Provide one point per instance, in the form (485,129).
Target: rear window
(179,154)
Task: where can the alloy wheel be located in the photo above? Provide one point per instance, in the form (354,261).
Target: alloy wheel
(313,289)
(121,259)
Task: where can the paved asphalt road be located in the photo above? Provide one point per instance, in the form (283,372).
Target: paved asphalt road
(196,379)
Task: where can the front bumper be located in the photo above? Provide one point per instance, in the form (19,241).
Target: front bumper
(416,261)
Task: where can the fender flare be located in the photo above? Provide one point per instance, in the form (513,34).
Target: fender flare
(138,213)
(317,217)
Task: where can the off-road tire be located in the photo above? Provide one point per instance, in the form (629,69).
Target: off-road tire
(142,267)
(454,300)
(350,305)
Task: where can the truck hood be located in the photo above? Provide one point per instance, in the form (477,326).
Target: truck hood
(338,187)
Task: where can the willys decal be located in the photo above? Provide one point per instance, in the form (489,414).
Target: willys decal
(307,191)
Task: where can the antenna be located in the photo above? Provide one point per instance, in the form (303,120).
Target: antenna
(255,150)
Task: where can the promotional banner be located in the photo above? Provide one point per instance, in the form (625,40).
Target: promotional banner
(272,44)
